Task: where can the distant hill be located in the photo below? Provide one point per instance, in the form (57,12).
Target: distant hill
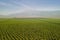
(54,14)
(34,13)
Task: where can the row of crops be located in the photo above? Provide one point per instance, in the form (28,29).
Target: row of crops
(29,29)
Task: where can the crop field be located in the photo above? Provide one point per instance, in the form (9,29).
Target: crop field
(30,29)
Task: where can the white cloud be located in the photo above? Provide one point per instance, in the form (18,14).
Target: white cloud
(5,4)
(23,7)
(2,3)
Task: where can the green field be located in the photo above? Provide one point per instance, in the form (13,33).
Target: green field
(30,29)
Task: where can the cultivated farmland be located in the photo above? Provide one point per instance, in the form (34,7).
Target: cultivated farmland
(30,29)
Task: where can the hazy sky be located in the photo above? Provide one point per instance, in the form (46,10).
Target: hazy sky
(18,6)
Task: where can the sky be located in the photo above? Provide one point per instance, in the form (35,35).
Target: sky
(17,6)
